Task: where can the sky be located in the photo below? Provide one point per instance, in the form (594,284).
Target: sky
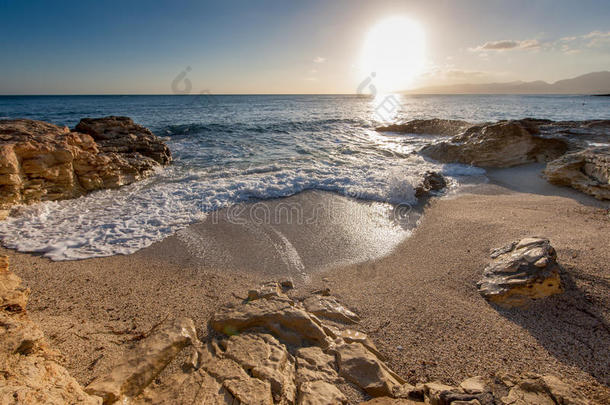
(293,47)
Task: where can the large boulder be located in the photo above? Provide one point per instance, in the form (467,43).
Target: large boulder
(587,171)
(44,162)
(521,271)
(503,144)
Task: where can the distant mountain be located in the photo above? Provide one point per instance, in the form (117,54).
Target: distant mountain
(590,83)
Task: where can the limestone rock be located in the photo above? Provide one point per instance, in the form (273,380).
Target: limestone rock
(503,144)
(433,126)
(364,369)
(29,372)
(587,171)
(44,162)
(328,307)
(521,271)
(144,363)
(280,316)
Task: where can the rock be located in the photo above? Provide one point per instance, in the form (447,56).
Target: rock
(391,401)
(431,181)
(474,385)
(29,372)
(329,308)
(320,393)
(279,315)
(122,135)
(521,271)
(542,390)
(503,144)
(315,365)
(428,127)
(262,356)
(363,368)
(587,171)
(144,363)
(266,290)
(43,162)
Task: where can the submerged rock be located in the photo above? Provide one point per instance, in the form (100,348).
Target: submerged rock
(587,171)
(503,144)
(44,162)
(431,182)
(433,126)
(521,271)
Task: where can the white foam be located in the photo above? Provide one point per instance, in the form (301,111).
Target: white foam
(123,221)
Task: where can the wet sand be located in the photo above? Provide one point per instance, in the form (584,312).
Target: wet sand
(416,295)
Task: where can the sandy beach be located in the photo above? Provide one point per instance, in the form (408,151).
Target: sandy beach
(416,295)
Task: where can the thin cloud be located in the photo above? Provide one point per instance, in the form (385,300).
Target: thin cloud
(507,45)
(594,39)
(319,59)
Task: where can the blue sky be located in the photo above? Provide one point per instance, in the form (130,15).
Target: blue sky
(124,47)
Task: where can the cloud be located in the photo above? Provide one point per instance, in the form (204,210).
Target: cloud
(507,45)
(319,59)
(575,44)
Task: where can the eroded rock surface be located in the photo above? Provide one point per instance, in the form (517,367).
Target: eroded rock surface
(144,363)
(503,144)
(29,371)
(587,171)
(521,271)
(44,162)
(431,182)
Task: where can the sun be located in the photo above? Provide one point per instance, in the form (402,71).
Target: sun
(393,53)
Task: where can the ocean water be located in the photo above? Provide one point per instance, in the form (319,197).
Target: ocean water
(231,149)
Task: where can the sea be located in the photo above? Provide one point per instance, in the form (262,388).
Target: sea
(230,149)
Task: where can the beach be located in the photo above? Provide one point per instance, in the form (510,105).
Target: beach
(415,293)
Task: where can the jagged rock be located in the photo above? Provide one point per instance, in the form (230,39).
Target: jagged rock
(521,271)
(43,162)
(328,307)
(271,289)
(433,126)
(391,401)
(144,363)
(503,144)
(122,135)
(29,372)
(474,385)
(431,181)
(265,358)
(313,365)
(587,171)
(279,315)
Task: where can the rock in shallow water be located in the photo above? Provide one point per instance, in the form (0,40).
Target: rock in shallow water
(587,171)
(521,271)
(44,162)
(503,144)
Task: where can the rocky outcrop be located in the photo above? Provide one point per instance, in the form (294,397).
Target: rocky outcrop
(587,171)
(503,144)
(502,389)
(283,356)
(521,271)
(433,126)
(44,162)
(29,371)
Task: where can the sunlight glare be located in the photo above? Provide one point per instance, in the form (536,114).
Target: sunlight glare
(394,50)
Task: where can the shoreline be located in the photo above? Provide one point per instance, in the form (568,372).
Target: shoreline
(419,296)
